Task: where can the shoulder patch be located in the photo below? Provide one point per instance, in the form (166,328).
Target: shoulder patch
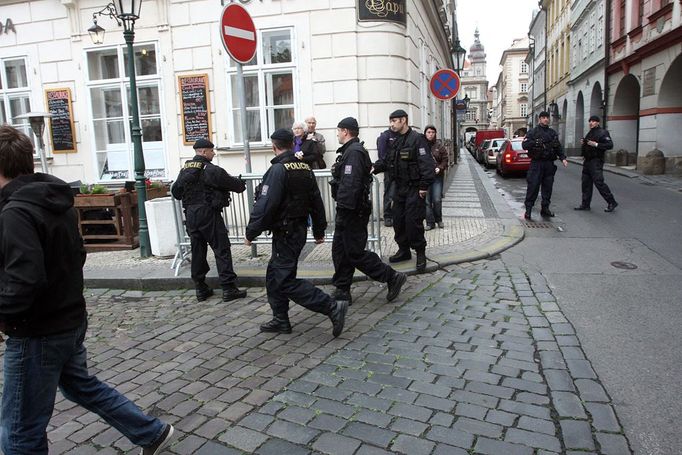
(348,169)
(422,151)
(264,190)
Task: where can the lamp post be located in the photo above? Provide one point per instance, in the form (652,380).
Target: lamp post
(458,53)
(127,12)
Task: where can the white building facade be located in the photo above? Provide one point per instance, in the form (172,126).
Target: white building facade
(514,105)
(313,58)
(536,62)
(475,86)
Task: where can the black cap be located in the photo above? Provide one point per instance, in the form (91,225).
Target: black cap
(349,123)
(397,114)
(283,134)
(594,118)
(544,114)
(203,144)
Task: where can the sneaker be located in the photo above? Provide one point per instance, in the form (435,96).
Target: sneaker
(582,207)
(163,442)
(276,325)
(233,293)
(400,256)
(338,316)
(441,225)
(343,294)
(203,294)
(394,285)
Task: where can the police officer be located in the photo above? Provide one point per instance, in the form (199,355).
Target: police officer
(351,187)
(594,146)
(411,167)
(384,143)
(286,198)
(205,189)
(543,146)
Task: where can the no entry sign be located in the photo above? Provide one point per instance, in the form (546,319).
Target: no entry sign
(238,32)
(445,84)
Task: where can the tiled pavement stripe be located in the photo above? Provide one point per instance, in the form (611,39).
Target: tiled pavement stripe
(482,360)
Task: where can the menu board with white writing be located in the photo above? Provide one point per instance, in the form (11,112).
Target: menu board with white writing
(62,131)
(196,112)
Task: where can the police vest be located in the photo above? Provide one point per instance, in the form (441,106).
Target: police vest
(298,189)
(337,169)
(405,159)
(197,191)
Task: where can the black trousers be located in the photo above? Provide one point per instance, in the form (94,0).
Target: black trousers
(205,226)
(389,189)
(593,174)
(540,175)
(281,283)
(409,211)
(349,253)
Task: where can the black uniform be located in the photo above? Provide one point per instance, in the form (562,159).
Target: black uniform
(351,186)
(593,167)
(285,199)
(205,189)
(411,167)
(543,146)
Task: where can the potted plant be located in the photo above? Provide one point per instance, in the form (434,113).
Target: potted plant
(156,189)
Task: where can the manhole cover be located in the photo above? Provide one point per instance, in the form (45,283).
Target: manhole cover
(538,225)
(624,265)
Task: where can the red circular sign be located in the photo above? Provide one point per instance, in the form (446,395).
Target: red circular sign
(238,33)
(445,84)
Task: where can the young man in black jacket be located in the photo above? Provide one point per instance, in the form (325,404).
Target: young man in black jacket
(42,312)
(594,146)
(351,187)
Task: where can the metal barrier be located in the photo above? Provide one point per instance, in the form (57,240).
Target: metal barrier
(237,215)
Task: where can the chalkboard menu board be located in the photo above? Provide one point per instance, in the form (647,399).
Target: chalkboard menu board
(196,111)
(61,123)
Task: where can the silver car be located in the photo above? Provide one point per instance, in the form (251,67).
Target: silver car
(490,159)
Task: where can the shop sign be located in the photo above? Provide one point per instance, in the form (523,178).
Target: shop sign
(7,27)
(382,11)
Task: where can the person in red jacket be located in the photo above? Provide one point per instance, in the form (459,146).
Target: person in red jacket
(434,200)
(42,312)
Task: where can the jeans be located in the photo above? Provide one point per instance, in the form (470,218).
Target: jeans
(34,368)
(434,202)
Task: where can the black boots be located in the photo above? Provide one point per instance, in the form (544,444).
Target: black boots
(394,285)
(582,207)
(526,215)
(421,261)
(400,256)
(277,325)
(343,294)
(611,207)
(203,293)
(233,293)
(546,213)
(337,315)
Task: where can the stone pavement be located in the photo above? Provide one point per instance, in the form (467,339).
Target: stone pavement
(478,224)
(473,359)
(669,181)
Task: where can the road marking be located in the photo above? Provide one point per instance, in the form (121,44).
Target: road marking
(240,33)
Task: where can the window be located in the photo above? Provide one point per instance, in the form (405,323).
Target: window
(524,87)
(640,13)
(523,107)
(109,92)
(472,114)
(524,67)
(14,94)
(269,85)
(621,18)
(600,32)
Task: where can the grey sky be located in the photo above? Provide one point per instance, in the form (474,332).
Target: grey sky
(499,22)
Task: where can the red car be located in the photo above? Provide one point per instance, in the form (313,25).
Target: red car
(511,157)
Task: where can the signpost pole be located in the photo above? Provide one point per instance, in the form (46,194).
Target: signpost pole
(245,139)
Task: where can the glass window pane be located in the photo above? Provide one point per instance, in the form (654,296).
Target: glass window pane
(109,133)
(145,60)
(3,116)
(113,165)
(280,89)
(283,118)
(276,46)
(106,102)
(17,106)
(103,64)
(15,70)
(151,130)
(148,100)
(250,87)
(253,125)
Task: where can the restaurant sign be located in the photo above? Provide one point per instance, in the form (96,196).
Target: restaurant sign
(382,11)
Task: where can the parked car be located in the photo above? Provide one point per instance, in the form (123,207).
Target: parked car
(511,157)
(482,150)
(491,154)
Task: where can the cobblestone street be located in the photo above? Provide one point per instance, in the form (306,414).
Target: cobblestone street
(476,360)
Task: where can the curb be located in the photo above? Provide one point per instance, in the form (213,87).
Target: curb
(512,234)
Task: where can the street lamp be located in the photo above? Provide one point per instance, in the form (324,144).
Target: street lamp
(37,121)
(127,12)
(459,53)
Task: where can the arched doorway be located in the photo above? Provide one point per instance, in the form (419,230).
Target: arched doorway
(596,100)
(624,119)
(669,116)
(579,118)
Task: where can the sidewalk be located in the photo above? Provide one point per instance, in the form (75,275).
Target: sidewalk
(478,225)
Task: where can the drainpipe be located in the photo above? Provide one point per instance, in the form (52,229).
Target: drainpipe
(607,59)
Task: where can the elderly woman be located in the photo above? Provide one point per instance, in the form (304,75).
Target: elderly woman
(305,147)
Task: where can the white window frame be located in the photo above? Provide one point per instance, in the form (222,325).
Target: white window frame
(524,68)
(7,94)
(523,87)
(523,109)
(122,83)
(261,70)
